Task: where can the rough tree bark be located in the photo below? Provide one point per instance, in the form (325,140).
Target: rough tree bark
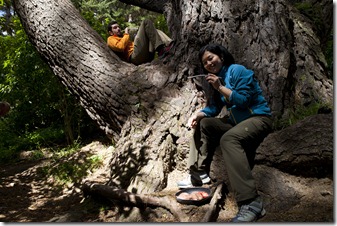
(144,108)
(152,5)
(269,36)
(291,150)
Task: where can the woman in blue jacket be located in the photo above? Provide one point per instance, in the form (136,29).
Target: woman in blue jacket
(238,134)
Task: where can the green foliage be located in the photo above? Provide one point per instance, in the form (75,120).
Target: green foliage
(43,112)
(37,155)
(300,113)
(97,14)
(68,167)
(12,143)
(100,13)
(45,136)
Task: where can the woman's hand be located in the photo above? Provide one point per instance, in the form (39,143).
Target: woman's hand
(214,81)
(194,120)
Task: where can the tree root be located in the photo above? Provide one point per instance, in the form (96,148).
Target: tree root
(140,200)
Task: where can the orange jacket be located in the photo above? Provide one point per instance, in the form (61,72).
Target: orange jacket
(121,45)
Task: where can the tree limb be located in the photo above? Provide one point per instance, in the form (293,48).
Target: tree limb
(152,5)
(138,200)
(213,204)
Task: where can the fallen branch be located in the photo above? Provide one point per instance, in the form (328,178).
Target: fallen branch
(213,204)
(138,200)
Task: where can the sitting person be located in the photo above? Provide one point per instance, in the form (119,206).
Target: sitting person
(238,134)
(147,41)
(4,108)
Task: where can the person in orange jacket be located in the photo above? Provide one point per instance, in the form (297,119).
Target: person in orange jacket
(148,40)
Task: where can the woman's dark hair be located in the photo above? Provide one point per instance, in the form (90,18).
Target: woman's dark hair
(219,50)
(227,58)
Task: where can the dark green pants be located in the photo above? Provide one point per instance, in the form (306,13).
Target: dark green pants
(238,145)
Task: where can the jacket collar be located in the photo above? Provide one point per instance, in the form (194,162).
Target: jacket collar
(223,71)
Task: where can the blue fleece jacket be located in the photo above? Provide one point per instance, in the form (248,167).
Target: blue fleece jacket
(246,99)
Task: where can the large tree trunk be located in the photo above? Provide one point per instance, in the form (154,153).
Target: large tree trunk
(144,108)
(109,89)
(271,37)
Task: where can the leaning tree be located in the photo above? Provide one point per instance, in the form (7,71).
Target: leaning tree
(144,109)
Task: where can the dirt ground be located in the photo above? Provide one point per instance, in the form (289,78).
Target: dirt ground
(27,195)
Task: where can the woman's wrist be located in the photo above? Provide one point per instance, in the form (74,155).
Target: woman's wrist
(219,88)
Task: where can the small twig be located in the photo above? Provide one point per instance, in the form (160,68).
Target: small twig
(194,76)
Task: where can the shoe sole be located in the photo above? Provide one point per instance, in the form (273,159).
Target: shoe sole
(204,181)
(262,214)
(186,186)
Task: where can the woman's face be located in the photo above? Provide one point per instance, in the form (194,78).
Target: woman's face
(211,62)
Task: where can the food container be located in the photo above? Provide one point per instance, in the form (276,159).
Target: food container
(185,196)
